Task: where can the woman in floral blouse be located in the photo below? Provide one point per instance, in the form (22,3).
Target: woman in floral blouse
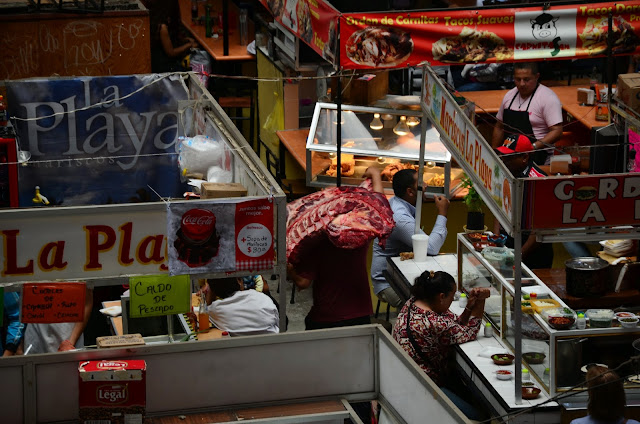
(425,327)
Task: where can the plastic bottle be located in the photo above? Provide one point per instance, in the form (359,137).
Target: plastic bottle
(203,316)
(208,29)
(3,112)
(488,330)
(581,322)
(462,302)
(525,375)
(594,81)
(194,11)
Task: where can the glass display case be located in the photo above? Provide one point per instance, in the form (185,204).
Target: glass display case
(556,357)
(386,138)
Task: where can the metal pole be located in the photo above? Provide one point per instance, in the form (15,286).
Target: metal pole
(225,27)
(339,113)
(610,65)
(423,137)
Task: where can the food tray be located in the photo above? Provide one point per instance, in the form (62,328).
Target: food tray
(542,304)
(526,307)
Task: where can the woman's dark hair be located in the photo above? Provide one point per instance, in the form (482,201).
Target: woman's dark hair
(430,284)
(402,180)
(224,287)
(163,12)
(606,394)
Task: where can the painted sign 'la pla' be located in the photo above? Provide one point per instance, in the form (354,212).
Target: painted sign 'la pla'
(99,239)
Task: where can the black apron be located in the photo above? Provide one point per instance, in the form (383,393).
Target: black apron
(516,122)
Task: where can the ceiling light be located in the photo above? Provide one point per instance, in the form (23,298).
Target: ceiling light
(401,127)
(376,123)
(412,121)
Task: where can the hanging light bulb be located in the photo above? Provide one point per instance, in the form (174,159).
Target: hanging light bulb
(387,117)
(430,164)
(412,121)
(381,160)
(376,123)
(401,127)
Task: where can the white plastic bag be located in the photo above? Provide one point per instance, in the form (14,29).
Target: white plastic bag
(197,154)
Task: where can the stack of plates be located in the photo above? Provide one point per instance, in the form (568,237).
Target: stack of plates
(617,248)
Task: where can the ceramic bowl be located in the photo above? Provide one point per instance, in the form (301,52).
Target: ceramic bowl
(628,322)
(530,392)
(504,375)
(534,357)
(502,358)
(625,315)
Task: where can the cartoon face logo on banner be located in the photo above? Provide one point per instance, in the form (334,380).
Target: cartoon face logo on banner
(545,35)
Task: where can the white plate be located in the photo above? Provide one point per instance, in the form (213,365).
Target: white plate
(112,311)
(534,289)
(584,367)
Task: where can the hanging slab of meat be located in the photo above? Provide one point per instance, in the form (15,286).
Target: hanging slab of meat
(350,216)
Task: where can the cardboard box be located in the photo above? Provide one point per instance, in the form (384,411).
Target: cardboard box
(221,190)
(112,391)
(363,90)
(628,87)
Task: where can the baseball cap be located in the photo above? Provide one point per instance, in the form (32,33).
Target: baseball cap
(516,144)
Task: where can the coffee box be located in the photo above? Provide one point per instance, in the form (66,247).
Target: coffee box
(112,391)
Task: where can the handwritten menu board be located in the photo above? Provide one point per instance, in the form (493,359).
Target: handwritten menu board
(52,302)
(155,295)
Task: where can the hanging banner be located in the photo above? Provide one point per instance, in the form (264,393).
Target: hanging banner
(52,302)
(155,295)
(220,236)
(313,21)
(466,144)
(97,140)
(450,36)
(582,201)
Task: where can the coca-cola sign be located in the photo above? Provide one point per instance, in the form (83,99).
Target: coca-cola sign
(198,224)
(112,394)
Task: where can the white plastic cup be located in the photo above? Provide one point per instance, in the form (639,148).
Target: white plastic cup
(420,243)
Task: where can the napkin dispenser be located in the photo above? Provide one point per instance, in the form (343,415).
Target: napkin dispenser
(586,96)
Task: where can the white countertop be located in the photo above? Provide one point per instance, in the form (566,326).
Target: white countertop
(412,269)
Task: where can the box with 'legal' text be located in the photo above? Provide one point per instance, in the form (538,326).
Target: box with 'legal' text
(112,391)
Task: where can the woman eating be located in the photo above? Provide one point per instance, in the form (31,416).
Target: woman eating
(425,328)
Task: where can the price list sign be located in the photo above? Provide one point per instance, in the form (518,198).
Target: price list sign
(52,302)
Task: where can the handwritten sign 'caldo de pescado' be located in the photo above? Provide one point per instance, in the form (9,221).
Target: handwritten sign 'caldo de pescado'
(159,295)
(53,302)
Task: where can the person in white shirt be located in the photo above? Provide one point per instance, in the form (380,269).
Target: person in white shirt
(241,312)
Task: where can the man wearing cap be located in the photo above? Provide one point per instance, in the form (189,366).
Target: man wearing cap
(530,109)
(516,154)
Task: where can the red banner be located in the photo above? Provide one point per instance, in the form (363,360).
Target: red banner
(583,202)
(396,39)
(313,21)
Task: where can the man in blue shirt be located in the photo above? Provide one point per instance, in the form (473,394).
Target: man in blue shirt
(403,205)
